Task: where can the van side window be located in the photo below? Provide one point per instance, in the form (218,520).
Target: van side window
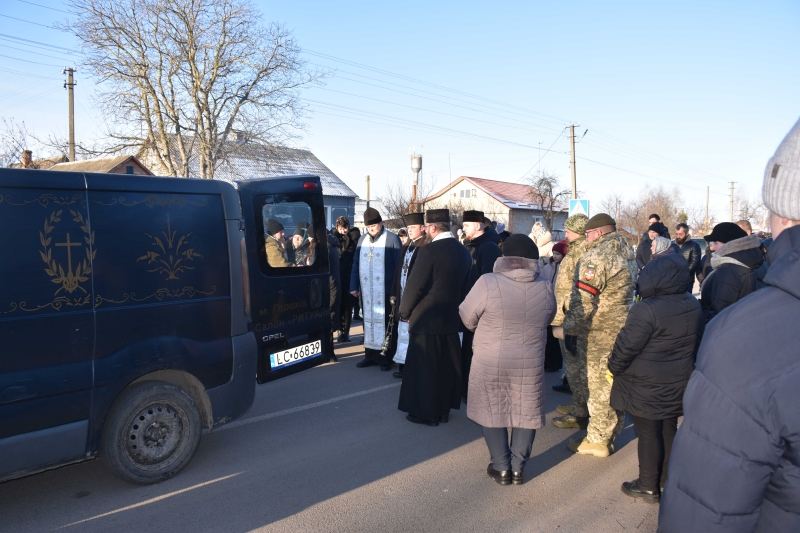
(289,236)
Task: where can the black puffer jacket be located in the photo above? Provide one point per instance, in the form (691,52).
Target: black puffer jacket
(484,252)
(653,356)
(690,251)
(735,464)
(733,276)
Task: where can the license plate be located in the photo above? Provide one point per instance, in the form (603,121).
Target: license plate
(295,355)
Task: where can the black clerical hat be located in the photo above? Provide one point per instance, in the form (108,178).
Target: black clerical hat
(433,216)
(414,218)
(473,216)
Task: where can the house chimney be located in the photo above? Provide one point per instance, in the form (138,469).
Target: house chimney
(240,136)
(27,158)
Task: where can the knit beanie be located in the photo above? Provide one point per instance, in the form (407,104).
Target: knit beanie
(662,243)
(658,227)
(519,245)
(500,227)
(781,190)
(273,226)
(561,247)
(577,224)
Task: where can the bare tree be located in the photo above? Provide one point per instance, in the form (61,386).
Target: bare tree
(14,138)
(749,209)
(549,196)
(180,78)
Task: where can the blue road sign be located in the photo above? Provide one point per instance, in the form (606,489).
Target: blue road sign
(579,207)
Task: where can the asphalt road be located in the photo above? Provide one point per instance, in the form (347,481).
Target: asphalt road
(327,450)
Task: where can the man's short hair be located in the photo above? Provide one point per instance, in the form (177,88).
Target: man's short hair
(655,216)
(682,225)
(441,226)
(745,225)
(343,222)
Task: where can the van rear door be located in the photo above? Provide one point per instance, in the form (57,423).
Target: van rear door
(288,258)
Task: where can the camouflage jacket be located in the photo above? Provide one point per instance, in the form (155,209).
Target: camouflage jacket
(602,294)
(566,278)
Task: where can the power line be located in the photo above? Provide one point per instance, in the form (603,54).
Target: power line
(6,37)
(542,157)
(29,61)
(46,7)
(35,53)
(30,22)
(19,73)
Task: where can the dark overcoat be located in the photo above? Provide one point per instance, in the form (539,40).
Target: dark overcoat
(653,355)
(735,464)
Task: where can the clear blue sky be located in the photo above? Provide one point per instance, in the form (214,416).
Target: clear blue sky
(687,94)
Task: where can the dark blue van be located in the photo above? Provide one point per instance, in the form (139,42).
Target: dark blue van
(134,311)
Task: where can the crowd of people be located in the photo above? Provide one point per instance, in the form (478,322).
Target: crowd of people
(480,314)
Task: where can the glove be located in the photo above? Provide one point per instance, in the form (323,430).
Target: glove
(609,377)
(571,343)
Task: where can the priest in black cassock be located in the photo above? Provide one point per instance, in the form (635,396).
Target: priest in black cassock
(372,277)
(434,290)
(415,229)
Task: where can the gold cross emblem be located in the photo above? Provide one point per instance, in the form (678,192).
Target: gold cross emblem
(70,281)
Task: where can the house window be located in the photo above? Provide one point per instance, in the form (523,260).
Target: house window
(467,193)
(129,169)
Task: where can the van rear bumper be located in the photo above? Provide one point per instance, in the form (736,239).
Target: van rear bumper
(234,398)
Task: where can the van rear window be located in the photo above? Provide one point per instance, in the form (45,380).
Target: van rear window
(289,237)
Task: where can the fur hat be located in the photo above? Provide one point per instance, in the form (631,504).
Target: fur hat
(473,216)
(781,189)
(435,216)
(371,216)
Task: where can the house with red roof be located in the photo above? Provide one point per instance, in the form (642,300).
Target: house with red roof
(516,205)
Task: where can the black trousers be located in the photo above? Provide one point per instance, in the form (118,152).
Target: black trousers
(655,445)
(466,360)
(348,300)
(513,456)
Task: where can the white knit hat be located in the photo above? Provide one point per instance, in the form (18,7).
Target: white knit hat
(781,190)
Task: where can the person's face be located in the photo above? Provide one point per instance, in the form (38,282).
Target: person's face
(653,247)
(593,235)
(680,234)
(653,220)
(279,235)
(557,257)
(571,235)
(415,231)
(374,229)
(297,240)
(342,230)
(652,234)
(715,245)
(472,229)
(404,239)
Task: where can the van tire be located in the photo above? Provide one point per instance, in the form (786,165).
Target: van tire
(151,433)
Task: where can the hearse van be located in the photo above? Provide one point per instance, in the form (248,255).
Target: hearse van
(137,310)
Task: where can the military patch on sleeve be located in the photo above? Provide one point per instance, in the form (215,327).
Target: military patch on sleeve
(586,287)
(588,273)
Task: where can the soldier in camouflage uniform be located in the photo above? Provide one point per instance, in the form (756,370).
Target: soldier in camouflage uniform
(576,414)
(600,299)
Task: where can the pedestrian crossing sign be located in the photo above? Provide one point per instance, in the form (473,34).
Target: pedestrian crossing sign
(579,207)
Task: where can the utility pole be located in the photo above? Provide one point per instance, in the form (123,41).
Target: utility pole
(69,85)
(732,200)
(572,161)
(708,194)
(618,202)
(367,191)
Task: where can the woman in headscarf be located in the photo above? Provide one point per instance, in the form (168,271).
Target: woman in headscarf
(303,247)
(509,311)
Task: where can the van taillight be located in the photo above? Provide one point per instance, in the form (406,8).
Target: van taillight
(310,185)
(245,276)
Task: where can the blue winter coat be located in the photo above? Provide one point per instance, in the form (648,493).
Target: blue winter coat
(735,464)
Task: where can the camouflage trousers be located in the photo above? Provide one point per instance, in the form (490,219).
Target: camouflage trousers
(575,369)
(606,423)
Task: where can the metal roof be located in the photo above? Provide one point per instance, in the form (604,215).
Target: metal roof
(512,195)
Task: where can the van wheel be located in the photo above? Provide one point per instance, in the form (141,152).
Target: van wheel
(152,432)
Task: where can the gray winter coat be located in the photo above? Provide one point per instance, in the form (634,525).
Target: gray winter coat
(509,311)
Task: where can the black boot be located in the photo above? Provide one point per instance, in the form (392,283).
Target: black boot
(632,489)
(503,478)
(399,373)
(563,386)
